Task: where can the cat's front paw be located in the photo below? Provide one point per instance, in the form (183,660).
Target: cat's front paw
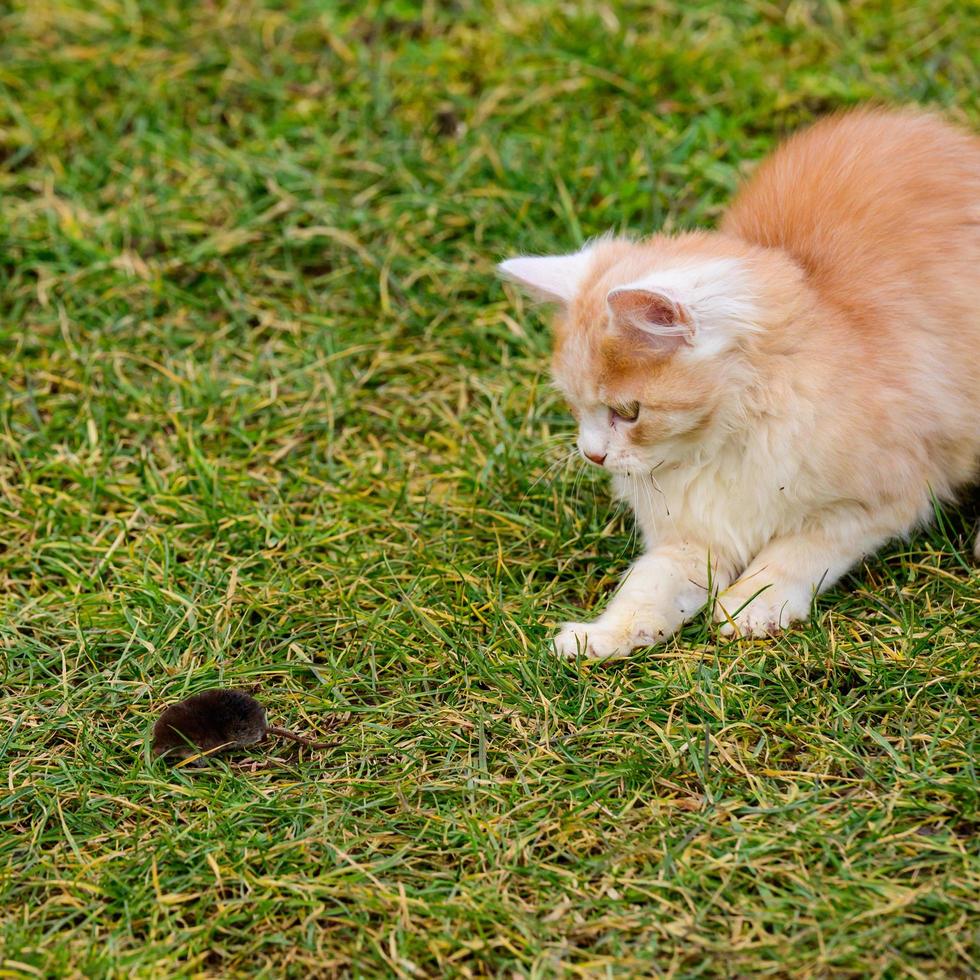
(590,641)
(767,614)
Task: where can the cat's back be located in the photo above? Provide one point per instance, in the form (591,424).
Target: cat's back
(870,202)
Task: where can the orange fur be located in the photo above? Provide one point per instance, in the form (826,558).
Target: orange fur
(831,388)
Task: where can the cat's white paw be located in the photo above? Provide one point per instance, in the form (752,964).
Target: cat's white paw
(590,641)
(767,614)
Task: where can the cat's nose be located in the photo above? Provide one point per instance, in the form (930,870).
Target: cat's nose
(596,458)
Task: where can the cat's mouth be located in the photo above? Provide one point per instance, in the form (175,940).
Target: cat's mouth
(626,467)
(633,467)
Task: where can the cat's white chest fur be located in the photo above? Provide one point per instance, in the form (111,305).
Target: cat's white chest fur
(733,502)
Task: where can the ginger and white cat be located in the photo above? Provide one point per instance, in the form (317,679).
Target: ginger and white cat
(777,399)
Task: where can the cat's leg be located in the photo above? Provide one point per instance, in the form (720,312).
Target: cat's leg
(778,587)
(661,592)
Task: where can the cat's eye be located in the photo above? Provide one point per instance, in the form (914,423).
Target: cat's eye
(626,411)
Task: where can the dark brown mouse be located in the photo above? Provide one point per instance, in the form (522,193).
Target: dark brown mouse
(216,721)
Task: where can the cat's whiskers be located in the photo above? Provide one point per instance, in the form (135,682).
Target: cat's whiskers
(650,501)
(656,486)
(551,472)
(634,535)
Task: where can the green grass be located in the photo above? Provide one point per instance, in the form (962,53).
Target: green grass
(267,418)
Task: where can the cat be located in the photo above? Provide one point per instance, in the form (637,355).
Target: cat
(777,399)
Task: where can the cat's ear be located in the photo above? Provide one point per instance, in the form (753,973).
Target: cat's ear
(706,306)
(665,322)
(551,278)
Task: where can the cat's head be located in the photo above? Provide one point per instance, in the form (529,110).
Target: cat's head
(650,341)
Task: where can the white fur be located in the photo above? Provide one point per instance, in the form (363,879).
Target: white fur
(552,278)
(744,522)
(716,294)
(732,529)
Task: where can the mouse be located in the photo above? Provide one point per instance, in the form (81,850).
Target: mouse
(214,721)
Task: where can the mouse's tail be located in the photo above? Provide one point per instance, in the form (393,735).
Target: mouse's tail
(283,733)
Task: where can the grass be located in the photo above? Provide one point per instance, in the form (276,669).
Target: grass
(267,418)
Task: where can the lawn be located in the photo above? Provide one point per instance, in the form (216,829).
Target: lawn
(267,418)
